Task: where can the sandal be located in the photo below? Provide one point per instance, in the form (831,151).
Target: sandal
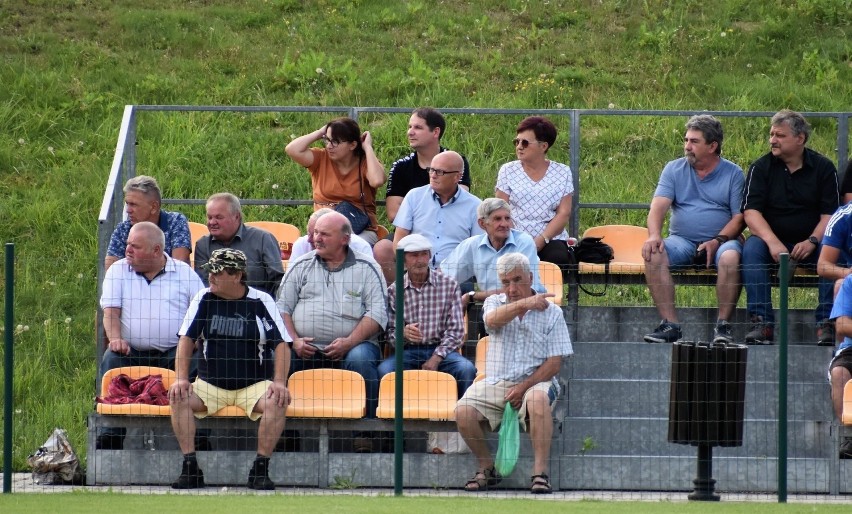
(540,484)
(483,480)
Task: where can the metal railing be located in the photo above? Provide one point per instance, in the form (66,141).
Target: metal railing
(124,161)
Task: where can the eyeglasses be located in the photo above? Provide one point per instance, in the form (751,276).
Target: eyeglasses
(330,143)
(439,173)
(523,142)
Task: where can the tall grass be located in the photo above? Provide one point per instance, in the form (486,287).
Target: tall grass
(67,68)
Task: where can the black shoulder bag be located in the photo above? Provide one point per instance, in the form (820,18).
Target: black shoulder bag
(592,250)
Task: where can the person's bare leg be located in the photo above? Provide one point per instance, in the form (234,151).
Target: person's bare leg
(270,427)
(661,286)
(383,253)
(839,377)
(541,429)
(728,284)
(469,424)
(183,421)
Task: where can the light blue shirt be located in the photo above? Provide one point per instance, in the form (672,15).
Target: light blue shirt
(701,207)
(475,257)
(445,225)
(843,307)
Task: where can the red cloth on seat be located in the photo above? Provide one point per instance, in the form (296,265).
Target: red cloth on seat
(148,390)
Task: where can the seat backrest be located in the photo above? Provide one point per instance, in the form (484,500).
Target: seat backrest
(283,232)
(196,232)
(135,372)
(551,278)
(626,241)
(481,353)
(327,393)
(426,395)
(381,232)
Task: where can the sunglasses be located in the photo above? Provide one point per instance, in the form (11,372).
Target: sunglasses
(439,173)
(523,142)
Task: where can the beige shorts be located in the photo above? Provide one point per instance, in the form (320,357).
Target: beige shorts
(490,400)
(215,398)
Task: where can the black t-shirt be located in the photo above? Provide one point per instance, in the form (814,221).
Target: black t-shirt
(792,203)
(406,174)
(237,337)
(846,185)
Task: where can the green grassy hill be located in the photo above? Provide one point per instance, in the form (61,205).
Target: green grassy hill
(68,67)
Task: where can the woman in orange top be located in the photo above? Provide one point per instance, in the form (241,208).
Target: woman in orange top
(345,170)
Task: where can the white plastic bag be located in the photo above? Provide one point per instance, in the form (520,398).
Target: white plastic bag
(446,442)
(55,462)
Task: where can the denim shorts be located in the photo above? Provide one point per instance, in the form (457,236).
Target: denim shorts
(681,251)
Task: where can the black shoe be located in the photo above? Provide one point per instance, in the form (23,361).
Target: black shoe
(760,332)
(825,333)
(202,444)
(110,442)
(190,477)
(846,449)
(667,332)
(722,332)
(259,476)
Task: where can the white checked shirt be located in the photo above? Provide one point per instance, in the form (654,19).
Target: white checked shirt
(520,347)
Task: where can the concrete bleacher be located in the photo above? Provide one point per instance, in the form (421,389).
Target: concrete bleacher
(613,435)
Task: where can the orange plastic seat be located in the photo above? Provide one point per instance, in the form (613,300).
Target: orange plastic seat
(381,232)
(327,393)
(426,395)
(196,232)
(285,233)
(846,418)
(230,411)
(626,242)
(135,409)
(551,278)
(481,353)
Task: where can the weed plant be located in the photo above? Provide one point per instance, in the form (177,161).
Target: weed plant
(67,69)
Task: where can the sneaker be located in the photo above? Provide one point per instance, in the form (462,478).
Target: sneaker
(846,449)
(259,476)
(722,332)
(190,477)
(667,332)
(825,333)
(760,332)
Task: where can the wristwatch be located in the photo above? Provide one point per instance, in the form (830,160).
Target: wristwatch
(814,240)
(546,239)
(470,295)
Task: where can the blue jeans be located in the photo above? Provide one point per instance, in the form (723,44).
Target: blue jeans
(757,265)
(413,358)
(362,359)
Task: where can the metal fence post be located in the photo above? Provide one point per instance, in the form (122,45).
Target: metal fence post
(9,365)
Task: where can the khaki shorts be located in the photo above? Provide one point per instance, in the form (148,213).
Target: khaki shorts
(215,398)
(489,400)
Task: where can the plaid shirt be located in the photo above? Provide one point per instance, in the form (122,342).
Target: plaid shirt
(435,307)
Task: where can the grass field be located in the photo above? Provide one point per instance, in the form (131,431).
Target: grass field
(133,504)
(68,67)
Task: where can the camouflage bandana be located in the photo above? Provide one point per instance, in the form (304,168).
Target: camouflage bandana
(225,258)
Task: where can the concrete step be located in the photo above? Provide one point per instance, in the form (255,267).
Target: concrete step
(732,474)
(618,323)
(650,398)
(648,437)
(653,361)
